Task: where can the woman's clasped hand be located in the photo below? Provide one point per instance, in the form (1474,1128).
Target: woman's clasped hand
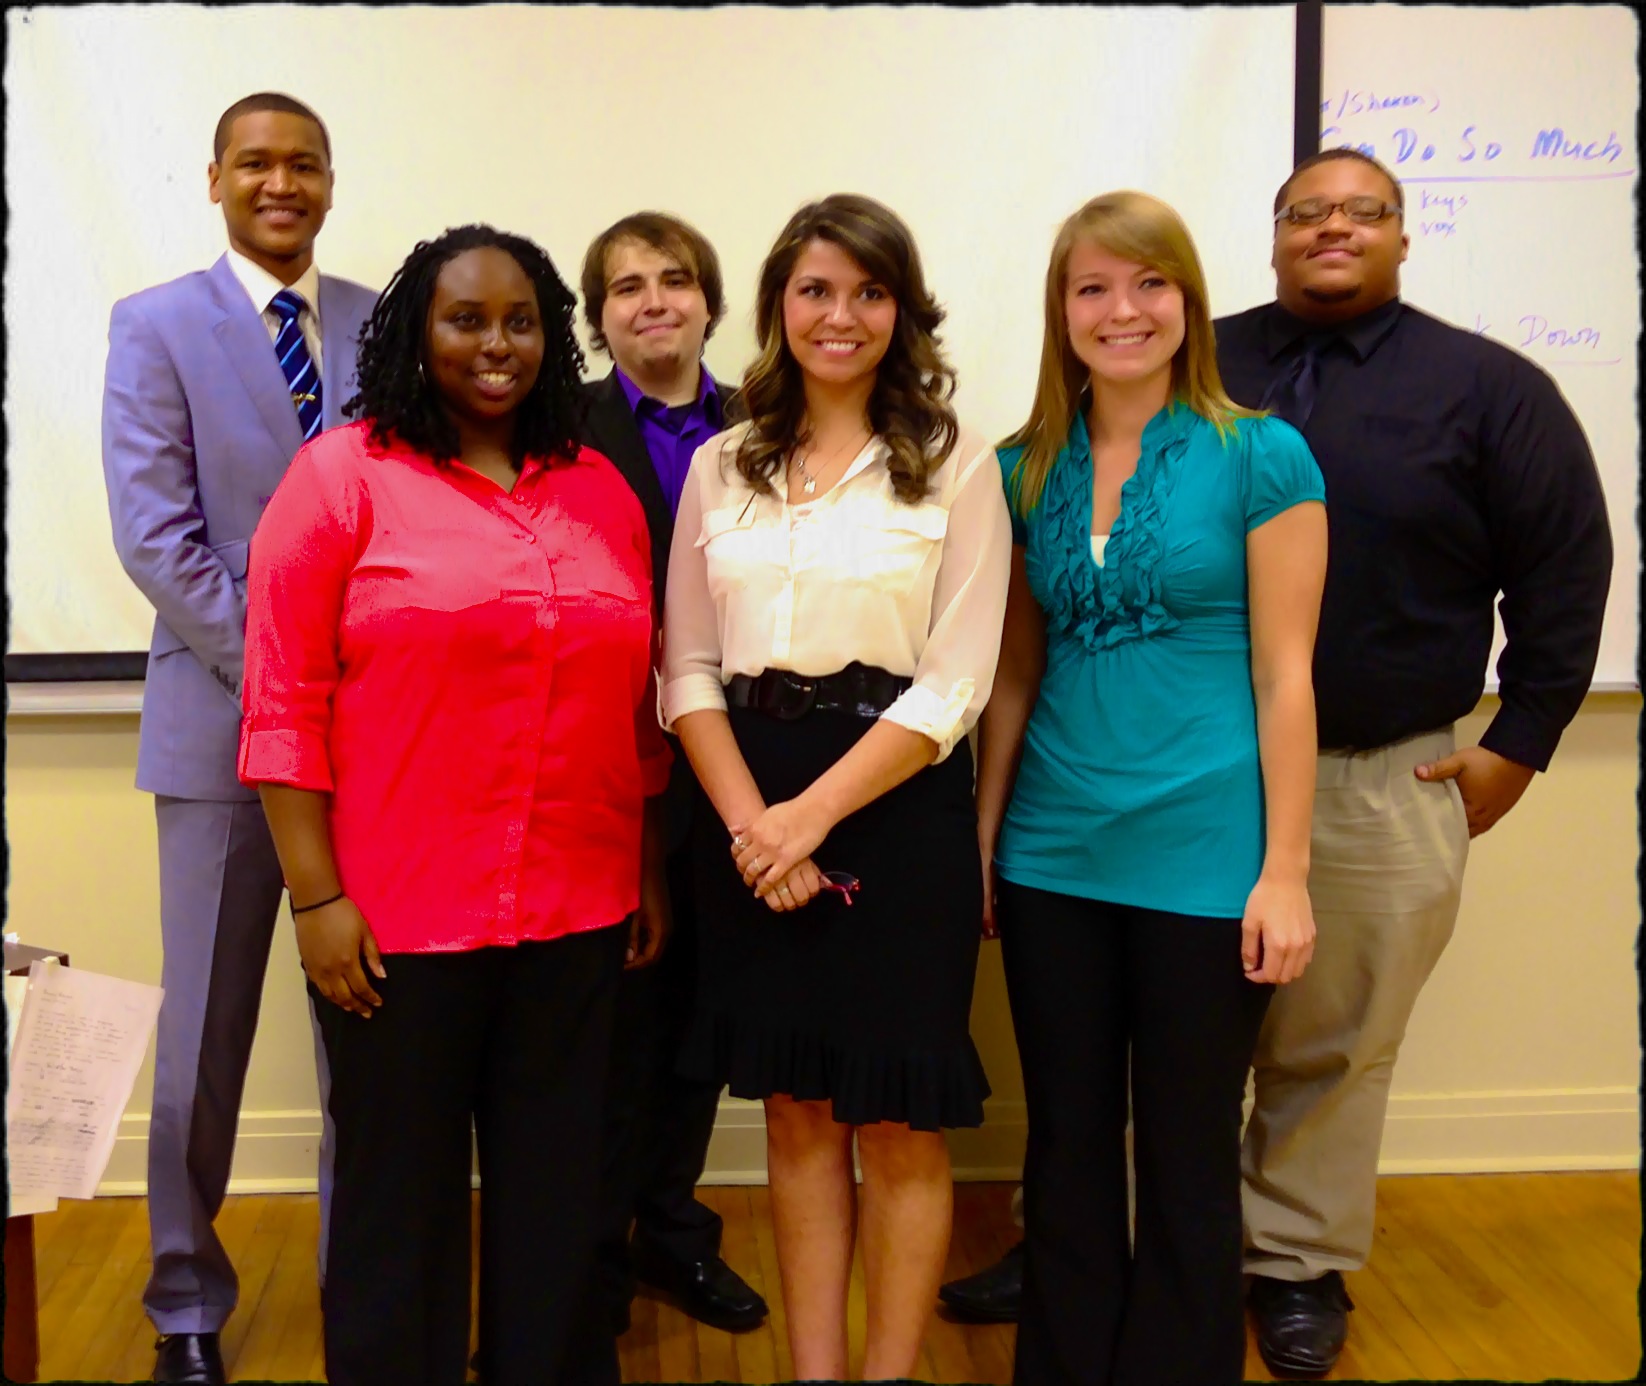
(773,855)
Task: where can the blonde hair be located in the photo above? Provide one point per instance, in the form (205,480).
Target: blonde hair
(1145,230)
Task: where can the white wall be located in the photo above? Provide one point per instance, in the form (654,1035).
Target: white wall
(1523,1053)
(982,128)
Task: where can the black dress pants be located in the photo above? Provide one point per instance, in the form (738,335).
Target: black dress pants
(516,1040)
(658,1123)
(1100,993)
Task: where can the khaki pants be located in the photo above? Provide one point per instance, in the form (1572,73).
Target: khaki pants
(1386,872)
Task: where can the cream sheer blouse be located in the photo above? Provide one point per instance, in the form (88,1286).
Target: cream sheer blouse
(918,590)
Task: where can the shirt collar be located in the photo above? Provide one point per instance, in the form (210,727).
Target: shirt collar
(1362,335)
(261,286)
(1080,438)
(1171,422)
(708,398)
(871,452)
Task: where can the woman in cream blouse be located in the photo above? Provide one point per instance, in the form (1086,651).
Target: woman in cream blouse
(836,591)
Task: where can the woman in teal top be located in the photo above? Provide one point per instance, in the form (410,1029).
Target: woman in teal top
(1144,790)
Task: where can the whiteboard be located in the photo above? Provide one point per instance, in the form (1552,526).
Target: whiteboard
(982,128)
(1513,132)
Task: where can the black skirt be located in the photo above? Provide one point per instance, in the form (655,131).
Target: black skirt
(866,1005)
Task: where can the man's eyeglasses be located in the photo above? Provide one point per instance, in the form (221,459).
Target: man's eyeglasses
(843,882)
(1363,211)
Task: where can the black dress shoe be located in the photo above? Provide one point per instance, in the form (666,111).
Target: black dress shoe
(1301,1325)
(192,1358)
(709,1290)
(990,1296)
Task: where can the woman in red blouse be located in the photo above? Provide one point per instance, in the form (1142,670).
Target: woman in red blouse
(451,716)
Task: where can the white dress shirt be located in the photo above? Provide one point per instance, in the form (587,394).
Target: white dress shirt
(261,287)
(918,590)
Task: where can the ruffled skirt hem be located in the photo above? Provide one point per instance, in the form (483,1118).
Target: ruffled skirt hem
(928,1091)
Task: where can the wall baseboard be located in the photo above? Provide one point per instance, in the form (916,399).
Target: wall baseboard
(1512,1132)
(1426,1133)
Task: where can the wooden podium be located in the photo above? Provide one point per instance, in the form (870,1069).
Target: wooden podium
(20,1360)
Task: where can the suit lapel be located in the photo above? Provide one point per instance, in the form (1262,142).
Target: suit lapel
(338,343)
(339,331)
(245,344)
(613,431)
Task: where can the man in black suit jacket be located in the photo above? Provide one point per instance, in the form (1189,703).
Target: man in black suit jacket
(652,296)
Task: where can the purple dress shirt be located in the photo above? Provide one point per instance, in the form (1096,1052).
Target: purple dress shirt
(674,432)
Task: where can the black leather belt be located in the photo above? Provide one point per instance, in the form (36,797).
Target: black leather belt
(859,689)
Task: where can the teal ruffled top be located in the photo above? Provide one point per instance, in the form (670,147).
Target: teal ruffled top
(1139,782)
(1121,600)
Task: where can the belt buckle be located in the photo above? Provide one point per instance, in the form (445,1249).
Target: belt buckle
(792,697)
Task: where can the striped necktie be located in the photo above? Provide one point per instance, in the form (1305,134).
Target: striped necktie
(301,377)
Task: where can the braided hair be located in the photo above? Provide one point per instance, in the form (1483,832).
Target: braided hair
(395,397)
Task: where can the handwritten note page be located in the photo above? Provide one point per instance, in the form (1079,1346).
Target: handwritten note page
(16,988)
(22,1202)
(80,1041)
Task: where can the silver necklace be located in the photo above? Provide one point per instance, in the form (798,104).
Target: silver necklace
(808,482)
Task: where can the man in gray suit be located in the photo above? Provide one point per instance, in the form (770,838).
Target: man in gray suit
(214,381)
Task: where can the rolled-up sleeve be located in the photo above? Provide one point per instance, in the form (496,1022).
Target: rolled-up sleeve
(302,554)
(955,672)
(691,623)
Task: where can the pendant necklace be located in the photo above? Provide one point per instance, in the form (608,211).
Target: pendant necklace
(808,482)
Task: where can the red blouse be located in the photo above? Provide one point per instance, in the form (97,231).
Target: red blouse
(468,672)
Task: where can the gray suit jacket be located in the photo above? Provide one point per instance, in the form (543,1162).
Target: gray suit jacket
(198,429)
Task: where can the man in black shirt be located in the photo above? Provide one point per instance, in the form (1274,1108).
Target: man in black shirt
(1454,471)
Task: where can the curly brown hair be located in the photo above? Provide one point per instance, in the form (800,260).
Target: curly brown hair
(909,407)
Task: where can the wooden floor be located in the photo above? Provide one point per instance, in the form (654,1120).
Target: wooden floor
(1501,1277)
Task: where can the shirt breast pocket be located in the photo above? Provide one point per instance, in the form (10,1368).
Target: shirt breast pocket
(1392,430)
(605,565)
(1420,473)
(889,549)
(734,547)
